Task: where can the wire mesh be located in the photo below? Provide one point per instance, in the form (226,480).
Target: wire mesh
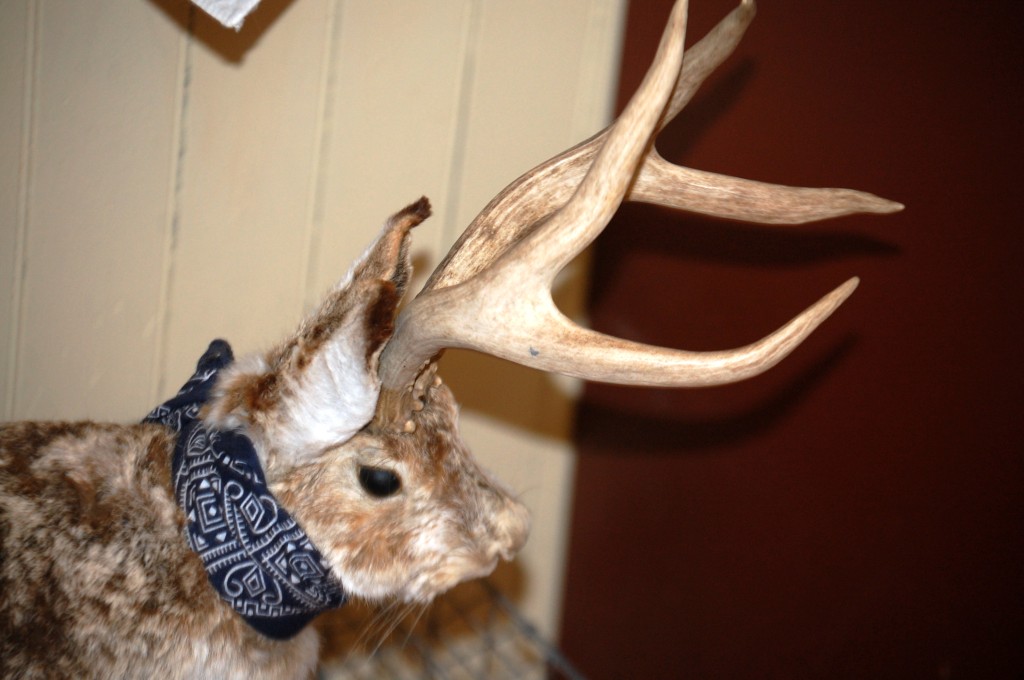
(471,633)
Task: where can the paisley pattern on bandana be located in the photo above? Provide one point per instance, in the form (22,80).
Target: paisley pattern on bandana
(256,555)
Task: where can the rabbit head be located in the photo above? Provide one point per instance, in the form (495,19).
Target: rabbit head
(397,510)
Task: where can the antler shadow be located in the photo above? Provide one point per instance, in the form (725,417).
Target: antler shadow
(604,428)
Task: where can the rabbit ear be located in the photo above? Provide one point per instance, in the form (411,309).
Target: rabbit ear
(320,387)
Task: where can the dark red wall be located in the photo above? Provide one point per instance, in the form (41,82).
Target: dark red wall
(857,512)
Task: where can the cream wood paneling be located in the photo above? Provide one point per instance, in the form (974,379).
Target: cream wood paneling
(16,40)
(102,123)
(248,170)
(392,126)
(182,182)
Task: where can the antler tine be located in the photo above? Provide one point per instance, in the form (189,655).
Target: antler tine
(572,227)
(708,193)
(528,329)
(706,55)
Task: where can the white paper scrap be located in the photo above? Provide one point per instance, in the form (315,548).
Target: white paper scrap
(231,13)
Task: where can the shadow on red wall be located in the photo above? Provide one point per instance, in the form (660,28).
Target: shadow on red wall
(859,510)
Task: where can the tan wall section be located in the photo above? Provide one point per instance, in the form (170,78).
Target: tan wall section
(164,181)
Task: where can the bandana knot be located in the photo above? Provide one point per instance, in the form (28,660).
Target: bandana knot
(256,556)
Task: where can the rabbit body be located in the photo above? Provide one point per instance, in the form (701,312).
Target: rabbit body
(97,579)
(97,576)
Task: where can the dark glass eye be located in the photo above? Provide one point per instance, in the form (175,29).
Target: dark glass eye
(378,481)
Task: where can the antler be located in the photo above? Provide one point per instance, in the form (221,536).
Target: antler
(492,292)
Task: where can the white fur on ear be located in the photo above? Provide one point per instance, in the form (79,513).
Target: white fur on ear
(335,396)
(304,397)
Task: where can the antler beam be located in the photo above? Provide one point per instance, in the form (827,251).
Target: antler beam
(492,293)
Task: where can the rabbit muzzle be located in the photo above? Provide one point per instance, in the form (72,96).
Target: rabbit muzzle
(508,528)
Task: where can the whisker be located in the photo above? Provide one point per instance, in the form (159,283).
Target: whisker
(423,607)
(397,614)
(374,625)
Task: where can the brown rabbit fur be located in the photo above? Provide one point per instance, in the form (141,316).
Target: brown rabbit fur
(96,576)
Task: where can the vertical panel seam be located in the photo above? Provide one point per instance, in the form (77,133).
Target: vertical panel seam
(321,156)
(460,139)
(29,109)
(179,148)
(598,67)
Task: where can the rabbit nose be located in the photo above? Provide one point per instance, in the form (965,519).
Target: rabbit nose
(509,529)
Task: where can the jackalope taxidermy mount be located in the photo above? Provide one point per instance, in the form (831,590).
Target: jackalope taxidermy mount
(201,542)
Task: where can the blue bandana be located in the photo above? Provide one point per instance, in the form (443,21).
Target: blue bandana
(256,556)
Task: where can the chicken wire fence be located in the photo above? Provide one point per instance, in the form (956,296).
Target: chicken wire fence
(473,632)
